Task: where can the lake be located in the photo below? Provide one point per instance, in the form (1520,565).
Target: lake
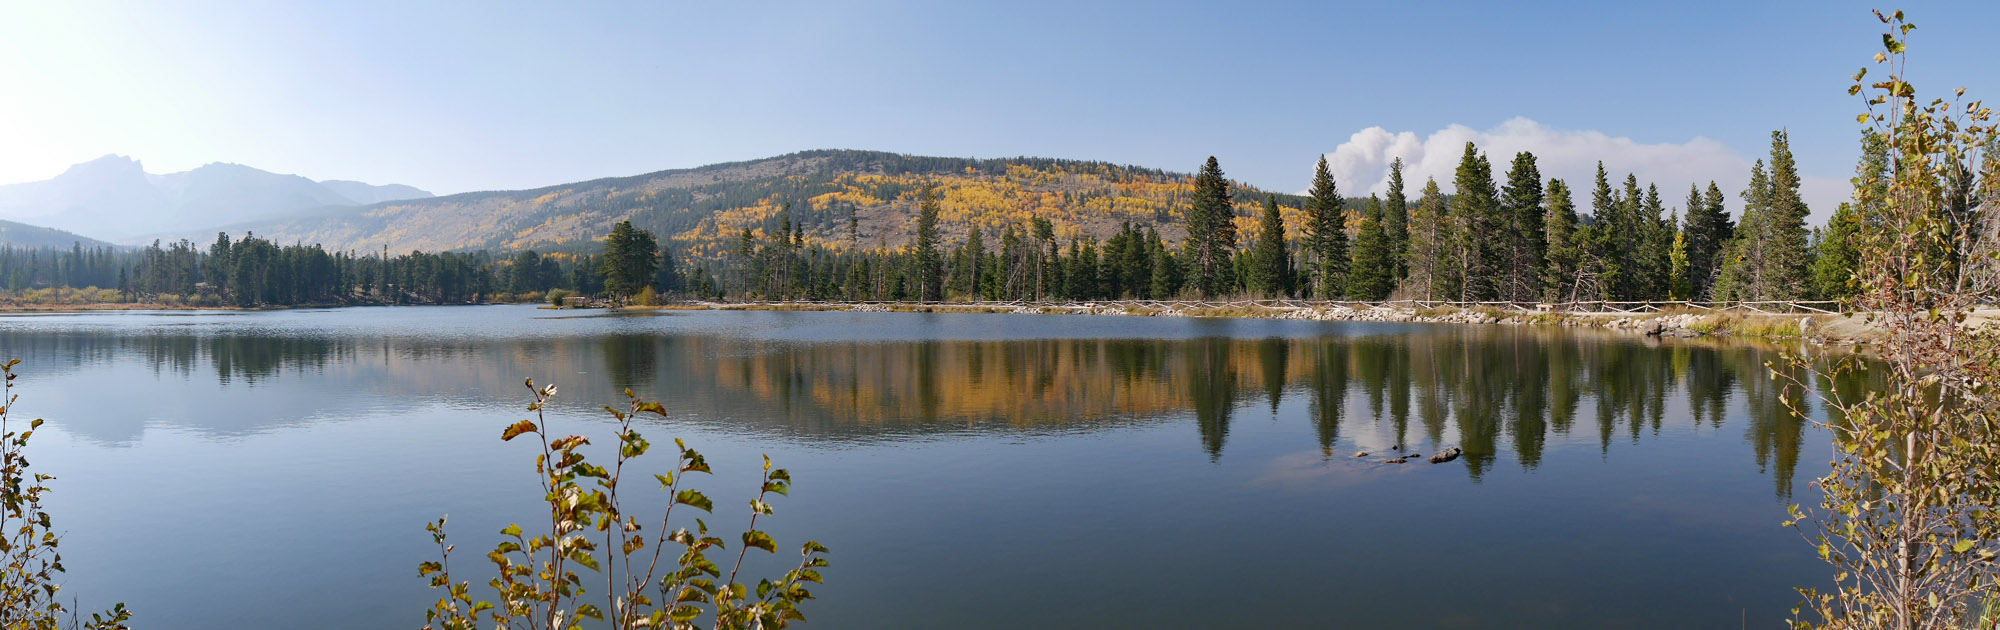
(275,469)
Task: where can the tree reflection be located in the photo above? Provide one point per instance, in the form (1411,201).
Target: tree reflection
(1499,393)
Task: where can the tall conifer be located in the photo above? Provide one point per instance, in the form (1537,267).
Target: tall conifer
(1326,235)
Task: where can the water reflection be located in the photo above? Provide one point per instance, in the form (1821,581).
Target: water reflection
(1489,391)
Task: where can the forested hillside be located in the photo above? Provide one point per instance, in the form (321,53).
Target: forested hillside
(24,235)
(843,200)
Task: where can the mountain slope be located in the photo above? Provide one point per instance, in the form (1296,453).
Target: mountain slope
(704,211)
(364,194)
(28,236)
(114,198)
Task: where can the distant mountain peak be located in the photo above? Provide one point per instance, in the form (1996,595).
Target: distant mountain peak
(113,197)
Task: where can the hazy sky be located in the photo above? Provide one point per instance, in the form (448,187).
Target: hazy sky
(454,97)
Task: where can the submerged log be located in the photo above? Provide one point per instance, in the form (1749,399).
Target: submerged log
(1446,455)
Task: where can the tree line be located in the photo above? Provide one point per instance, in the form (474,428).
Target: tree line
(1514,238)
(1519,237)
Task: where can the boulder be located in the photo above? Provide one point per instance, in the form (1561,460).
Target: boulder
(1446,455)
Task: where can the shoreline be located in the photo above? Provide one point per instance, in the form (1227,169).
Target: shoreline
(1817,329)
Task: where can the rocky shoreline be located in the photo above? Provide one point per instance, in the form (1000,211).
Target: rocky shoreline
(1817,329)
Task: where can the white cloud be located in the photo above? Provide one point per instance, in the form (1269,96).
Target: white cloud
(1361,165)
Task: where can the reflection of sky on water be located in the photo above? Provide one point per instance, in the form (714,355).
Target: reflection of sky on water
(1103,446)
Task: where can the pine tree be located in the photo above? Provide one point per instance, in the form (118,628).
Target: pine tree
(1430,238)
(1326,235)
(1396,221)
(1563,253)
(929,265)
(1371,276)
(1521,204)
(1476,214)
(1211,228)
(1270,260)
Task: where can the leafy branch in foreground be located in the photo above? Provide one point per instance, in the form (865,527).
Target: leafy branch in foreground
(538,582)
(1908,514)
(28,541)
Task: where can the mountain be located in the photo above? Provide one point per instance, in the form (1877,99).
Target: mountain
(703,211)
(364,194)
(112,197)
(24,235)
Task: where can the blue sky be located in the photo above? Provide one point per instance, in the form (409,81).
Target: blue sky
(470,96)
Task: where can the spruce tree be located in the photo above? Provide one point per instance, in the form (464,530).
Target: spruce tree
(1602,250)
(1743,272)
(1270,260)
(1564,252)
(1396,221)
(630,258)
(1521,204)
(1326,235)
(929,265)
(975,261)
(1838,256)
(1789,250)
(1655,248)
(1697,245)
(1211,228)
(1371,275)
(1719,229)
(1476,215)
(1430,238)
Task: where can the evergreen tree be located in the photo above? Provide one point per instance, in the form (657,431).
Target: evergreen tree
(629,260)
(929,265)
(1679,287)
(1564,251)
(1211,228)
(975,260)
(1396,221)
(1166,274)
(1326,235)
(1838,256)
(1708,228)
(1430,241)
(1654,251)
(1521,204)
(1476,213)
(1789,251)
(1602,250)
(1270,260)
(1742,275)
(1371,275)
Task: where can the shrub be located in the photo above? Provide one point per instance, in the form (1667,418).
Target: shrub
(538,583)
(556,296)
(28,585)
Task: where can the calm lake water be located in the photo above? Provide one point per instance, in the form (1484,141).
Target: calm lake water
(275,469)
